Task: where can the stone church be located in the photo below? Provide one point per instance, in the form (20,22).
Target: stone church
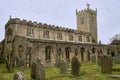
(27,40)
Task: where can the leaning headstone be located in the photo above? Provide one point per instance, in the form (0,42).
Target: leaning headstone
(63,66)
(111,59)
(57,63)
(117,58)
(37,70)
(67,61)
(75,71)
(106,64)
(93,58)
(99,59)
(19,76)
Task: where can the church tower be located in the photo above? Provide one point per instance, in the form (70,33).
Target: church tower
(87,21)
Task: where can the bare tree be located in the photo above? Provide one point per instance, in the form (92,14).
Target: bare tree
(116,37)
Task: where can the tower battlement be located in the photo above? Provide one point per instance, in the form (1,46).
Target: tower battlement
(86,11)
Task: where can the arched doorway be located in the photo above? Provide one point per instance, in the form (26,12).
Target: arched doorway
(82,50)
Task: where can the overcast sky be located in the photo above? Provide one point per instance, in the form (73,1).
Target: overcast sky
(62,13)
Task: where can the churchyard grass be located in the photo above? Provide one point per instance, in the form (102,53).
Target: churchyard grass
(5,75)
(89,71)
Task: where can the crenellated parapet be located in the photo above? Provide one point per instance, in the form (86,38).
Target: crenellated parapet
(43,25)
(91,11)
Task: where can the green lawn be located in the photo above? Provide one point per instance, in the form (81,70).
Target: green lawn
(89,71)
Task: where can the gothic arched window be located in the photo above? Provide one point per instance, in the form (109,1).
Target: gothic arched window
(48,51)
(68,50)
(20,48)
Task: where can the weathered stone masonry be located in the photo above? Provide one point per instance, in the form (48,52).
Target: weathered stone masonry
(27,40)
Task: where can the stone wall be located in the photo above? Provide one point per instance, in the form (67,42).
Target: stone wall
(36,30)
(56,45)
(30,49)
(28,42)
(20,48)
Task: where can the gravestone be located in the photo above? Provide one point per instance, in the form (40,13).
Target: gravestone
(63,66)
(20,64)
(67,61)
(117,58)
(19,76)
(111,59)
(75,71)
(106,64)
(37,70)
(57,63)
(99,59)
(93,58)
